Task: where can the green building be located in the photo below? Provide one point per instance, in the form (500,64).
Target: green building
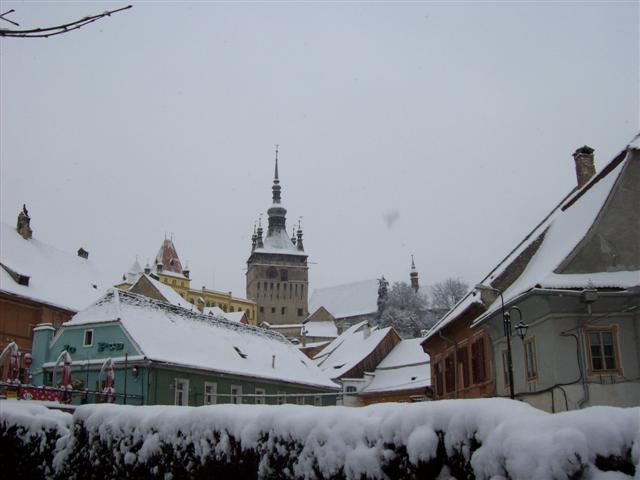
(164,354)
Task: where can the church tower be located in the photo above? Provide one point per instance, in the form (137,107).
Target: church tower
(277,271)
(414,276)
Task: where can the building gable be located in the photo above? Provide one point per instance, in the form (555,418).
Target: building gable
(613,242)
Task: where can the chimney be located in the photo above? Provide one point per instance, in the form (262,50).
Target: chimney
(82,253)
(24,224)
(585,167)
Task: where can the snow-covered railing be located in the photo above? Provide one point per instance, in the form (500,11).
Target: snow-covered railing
(488,438)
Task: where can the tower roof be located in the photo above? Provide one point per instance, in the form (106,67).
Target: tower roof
(168,257)
(277,240)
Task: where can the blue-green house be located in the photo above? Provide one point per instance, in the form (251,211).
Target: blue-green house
(164,354)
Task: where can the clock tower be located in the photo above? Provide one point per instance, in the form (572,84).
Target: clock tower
(277,271)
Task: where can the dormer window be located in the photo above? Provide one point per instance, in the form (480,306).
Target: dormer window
(239,352)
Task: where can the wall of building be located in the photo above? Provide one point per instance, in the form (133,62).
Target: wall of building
(558,325)
(163,388)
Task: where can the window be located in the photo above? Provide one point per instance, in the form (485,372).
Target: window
(449,374)
(261,309)
(283,310)
(282,398)
(260,396)
(284,275)
(181,388)
(258,285)
(317,401)
(236,394)
(273,309)
(505,368)
(478,370)
(299,312)
(530,358)
(231,309)
(88,338)
(439,380)
(350,389)
(210,391)
(463,366)
(602,350)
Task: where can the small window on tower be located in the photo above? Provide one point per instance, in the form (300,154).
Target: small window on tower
(283,310)
(273,309)
(299,312)
(284,275)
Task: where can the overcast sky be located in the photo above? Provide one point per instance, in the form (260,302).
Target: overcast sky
(442,130)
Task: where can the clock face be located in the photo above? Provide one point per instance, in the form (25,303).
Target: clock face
(272,272)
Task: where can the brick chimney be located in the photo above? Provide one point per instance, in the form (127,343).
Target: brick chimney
(585,167)
(24,224)
(82,253)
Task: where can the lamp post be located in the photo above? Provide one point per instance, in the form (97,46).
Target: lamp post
(521,329)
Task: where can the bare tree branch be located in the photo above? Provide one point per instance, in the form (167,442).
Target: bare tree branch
(58,29)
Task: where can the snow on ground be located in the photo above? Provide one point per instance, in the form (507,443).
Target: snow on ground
(516,440)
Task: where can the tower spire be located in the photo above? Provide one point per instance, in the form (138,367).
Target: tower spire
(276,182)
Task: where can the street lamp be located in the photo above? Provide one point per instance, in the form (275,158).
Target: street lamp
(521,329)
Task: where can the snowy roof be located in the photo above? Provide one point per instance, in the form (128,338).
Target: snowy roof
(406,367)
(206,342)
(134,272)
(557,236)
(218,312)
(349,300)
(325,329)
(407,352)
(279,242)
(349,349)
(168,293)
(56,278)
(398,379)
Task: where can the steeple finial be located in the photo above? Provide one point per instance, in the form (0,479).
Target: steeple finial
(275,177)
(413,264)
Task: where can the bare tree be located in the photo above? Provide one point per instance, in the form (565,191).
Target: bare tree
(46,32)
(445,294)
(405,310)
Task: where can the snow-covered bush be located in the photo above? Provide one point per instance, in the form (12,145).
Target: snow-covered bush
(28,437)
(489,438)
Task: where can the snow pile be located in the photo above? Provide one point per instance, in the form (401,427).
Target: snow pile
(486,438)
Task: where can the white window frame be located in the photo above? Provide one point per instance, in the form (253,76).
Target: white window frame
(84,338)
(282,399)
(178,391)
(210,397)
(236,398)
(260,396)
(299,400)
(317,400)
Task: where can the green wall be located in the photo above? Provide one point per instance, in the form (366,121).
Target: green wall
(163,388)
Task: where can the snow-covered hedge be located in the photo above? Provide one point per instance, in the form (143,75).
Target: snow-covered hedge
(490,438)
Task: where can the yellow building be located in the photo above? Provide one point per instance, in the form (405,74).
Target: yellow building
(169,270)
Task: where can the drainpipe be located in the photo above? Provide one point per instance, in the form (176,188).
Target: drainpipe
(455,364)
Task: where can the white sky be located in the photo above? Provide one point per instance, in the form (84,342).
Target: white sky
(462,118)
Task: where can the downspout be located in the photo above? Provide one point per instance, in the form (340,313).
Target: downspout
(455,363)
